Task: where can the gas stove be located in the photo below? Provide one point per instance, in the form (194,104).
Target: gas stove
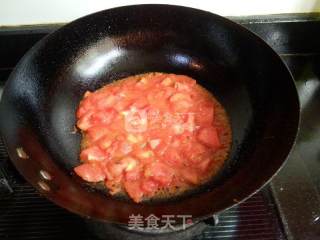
(288,208)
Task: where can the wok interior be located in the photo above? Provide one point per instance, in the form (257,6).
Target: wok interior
(244,74)
(96,68)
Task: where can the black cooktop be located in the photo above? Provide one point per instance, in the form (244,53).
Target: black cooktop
(286,209)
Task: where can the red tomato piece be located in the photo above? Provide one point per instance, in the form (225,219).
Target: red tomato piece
(134,191)
(84,106)
(96,132)
(144,154)
(154,143)
(90,172)
(116,169)
(93,153)
(107,102)
(185,80)
(149,186)
(122,105)
(205,114)
(165,140)
(194,151)
(167,82)
(204,165)
(140,102)
(133,175)
(173,157)
(103,116)
(209,137)
(157,78)
(144,83)
(160,173)
(190,176)
(84,123)
(157,100)
(181,102)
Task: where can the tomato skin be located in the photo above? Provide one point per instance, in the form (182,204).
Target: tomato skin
(90,172)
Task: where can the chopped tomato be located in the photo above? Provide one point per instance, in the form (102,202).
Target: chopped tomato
(107,102)
(165,140)
(204,164)
(153,99)
(133,189)
(144,154)
(185,80)
(194,151)
(85,106)
(133,175)
(105,142)
(90,172)
(93,153)
(122,105)
(159,172)
(154,143)
(205,115)
(190,176)
(181,102)
(96,132)
(173,158)
(116,169)
(149,186)
(103,116)
(209,137)
(147,133)
(140,102)
(84,123)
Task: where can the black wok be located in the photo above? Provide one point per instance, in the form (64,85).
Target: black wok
(41,96)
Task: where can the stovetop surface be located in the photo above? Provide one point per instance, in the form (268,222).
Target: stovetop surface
(286,209)
(297,186)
